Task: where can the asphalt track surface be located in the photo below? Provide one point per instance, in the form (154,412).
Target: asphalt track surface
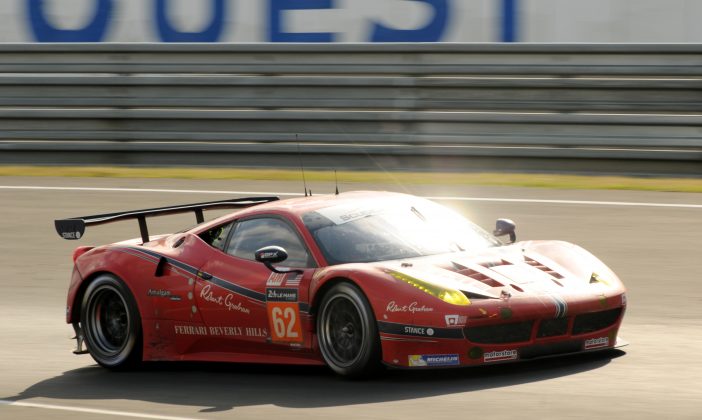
(655,250)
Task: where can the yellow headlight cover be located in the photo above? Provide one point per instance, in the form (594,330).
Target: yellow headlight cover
(454,297)
(596,278)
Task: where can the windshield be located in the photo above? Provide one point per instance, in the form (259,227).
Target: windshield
(390,229)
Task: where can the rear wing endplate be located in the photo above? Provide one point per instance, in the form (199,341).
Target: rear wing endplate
(74,228)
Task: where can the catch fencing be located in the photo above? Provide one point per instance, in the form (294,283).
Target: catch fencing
(395,106)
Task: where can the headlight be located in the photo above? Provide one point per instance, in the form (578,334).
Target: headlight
(597,278)
(454,297)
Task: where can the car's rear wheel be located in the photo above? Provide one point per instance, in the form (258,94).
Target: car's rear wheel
(347,332)
(111,323)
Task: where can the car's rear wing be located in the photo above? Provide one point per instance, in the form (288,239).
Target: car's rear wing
(74,228)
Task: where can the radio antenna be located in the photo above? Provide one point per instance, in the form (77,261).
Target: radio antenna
(336,182)
(302,168)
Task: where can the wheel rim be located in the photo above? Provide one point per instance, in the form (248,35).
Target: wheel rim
(110,320)
(343,331)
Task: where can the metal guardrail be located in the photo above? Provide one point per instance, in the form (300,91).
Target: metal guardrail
(185,103)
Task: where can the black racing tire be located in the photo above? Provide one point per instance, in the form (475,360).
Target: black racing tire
(111,323)
(347,332)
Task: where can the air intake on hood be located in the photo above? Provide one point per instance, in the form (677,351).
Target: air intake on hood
(476,275)
(536,264)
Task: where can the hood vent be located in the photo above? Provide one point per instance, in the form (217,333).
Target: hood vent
(476,275)
(536,264)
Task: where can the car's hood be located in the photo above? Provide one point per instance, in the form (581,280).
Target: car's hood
(525,268)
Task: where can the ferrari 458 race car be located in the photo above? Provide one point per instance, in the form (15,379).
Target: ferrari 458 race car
(354,281)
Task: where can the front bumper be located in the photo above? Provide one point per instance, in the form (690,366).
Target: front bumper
(514,341)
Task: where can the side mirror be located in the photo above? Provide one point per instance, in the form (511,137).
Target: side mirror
(272,255)
(505,227)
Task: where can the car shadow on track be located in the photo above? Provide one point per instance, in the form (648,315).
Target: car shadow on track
(219,387)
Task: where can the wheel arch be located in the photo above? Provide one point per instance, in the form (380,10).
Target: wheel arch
(324,288)
(80,293)
(374,284)
(332,281)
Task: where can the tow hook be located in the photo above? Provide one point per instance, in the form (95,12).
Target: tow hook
(80,339)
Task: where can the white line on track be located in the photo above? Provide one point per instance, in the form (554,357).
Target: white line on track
(91,410)
(442,198)
(592,203)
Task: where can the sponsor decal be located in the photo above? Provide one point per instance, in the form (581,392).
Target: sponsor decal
(420,331)
(289,279)
(413,308)
(163,294)
(434,360)
(456,320)
(70,235)
(411,330)
(348,213)
(500,356)
(275,279)
(190,330)
(596,343)
(284,315)
(281,295)
(221,331)
(293,281)
(228,301)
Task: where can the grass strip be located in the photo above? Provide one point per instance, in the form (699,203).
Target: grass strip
(534,180)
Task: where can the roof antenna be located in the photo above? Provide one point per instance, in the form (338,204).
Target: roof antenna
(336,181)
(302,168)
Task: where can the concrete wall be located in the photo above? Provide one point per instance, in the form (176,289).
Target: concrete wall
(350,20)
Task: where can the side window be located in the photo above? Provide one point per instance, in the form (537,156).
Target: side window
(253,234)
(217,237)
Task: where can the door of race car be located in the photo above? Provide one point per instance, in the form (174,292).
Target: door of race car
(250,308)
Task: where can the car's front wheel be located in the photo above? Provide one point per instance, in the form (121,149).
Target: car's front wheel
(111,323)
(347,332)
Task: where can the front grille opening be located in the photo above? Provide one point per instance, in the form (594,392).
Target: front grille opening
(500,334)
(550,349)
(552,327)
(595,321)
(532,262)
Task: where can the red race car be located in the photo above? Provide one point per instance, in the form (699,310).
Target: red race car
(354,281)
